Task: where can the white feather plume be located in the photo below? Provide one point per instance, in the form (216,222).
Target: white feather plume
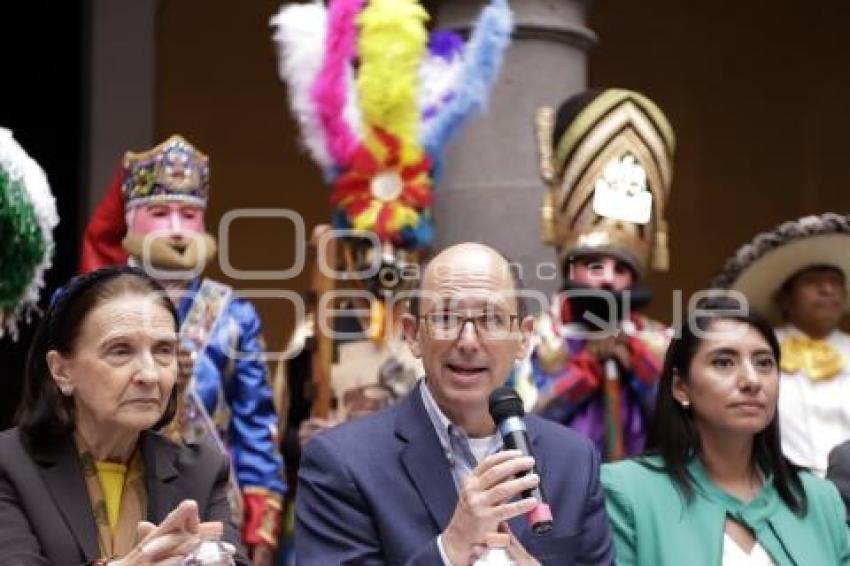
(300,31)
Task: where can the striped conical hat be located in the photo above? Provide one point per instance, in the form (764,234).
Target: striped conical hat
(607,158)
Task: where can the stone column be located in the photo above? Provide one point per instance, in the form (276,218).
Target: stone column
(120,90)
(491,189)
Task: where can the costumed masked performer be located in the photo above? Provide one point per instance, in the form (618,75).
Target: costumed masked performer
(377,99)
(377,129)
(606,158)
(27,219)
(153,215)
(797,276)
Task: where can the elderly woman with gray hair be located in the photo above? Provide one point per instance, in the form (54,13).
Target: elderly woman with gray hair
(86,477)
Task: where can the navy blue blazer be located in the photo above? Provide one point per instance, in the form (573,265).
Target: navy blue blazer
(378,490)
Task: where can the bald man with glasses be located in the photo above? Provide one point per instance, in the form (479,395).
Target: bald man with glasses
(426,481)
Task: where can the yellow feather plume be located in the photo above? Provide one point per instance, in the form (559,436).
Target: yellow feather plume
(392,42)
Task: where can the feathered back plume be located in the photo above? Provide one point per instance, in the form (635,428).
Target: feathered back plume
(439,72)
(482,61)
(330,91)
(413,94)
(300,38)
(392,42)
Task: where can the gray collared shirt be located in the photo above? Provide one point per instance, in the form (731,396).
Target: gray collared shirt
(454,441)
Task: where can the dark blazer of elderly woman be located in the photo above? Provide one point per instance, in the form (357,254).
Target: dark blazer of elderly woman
(713,487)
(84,478)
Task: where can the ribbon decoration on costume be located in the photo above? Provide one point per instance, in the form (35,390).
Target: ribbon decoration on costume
(194,421)
(818,359)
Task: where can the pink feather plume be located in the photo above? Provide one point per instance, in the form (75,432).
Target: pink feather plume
(330,90)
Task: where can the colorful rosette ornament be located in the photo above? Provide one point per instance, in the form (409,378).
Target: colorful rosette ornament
(377,100)
(27,218)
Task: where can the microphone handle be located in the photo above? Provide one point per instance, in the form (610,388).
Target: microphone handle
(518,440)
(515,437)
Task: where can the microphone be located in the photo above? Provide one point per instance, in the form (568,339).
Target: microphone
(507,412)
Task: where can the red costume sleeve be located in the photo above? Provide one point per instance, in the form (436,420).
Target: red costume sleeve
(262,517)
(103,236)
(644,364)
(581,377)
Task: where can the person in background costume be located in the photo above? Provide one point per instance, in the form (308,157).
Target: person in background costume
(797,276)
(377,99)
(27,219)
(153,216)
(607,160)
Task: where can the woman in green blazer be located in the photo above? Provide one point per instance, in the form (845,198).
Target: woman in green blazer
(713,487)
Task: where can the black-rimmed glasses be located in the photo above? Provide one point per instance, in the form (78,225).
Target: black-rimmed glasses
(488,325)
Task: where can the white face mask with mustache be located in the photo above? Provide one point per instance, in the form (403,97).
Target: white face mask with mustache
(188,252)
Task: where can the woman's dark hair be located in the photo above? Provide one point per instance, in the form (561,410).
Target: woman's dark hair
(46,415)
(673,435)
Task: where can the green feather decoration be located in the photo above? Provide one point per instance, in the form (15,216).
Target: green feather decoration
(27,218)
(23,243)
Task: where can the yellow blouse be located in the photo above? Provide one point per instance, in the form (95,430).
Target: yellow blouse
(111,476)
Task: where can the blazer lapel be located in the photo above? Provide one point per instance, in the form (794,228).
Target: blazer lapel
(424,460)
(63,475)
(161,471)
(423,454)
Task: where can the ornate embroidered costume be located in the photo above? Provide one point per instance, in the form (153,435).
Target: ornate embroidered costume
(572,381)
(606,157)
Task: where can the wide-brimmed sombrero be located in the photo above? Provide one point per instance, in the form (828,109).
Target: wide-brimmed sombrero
(760,268)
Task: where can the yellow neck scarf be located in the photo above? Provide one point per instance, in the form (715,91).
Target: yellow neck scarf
(818,359)
(111,476)
(118,538)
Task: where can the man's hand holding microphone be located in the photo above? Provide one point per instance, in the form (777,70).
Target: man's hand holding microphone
(503,486)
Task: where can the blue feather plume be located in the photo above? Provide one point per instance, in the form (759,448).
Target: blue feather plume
(482,60)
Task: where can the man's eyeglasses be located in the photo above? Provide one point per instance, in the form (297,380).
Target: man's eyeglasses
(488,325)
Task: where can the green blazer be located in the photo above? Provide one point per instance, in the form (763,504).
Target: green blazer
(653,525)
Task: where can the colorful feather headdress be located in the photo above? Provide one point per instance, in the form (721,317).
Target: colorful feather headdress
(377,100)
(27,218)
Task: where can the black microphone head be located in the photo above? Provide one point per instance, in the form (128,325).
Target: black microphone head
(504,403)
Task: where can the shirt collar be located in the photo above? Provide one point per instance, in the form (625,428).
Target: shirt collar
(439,421)
(444,427)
